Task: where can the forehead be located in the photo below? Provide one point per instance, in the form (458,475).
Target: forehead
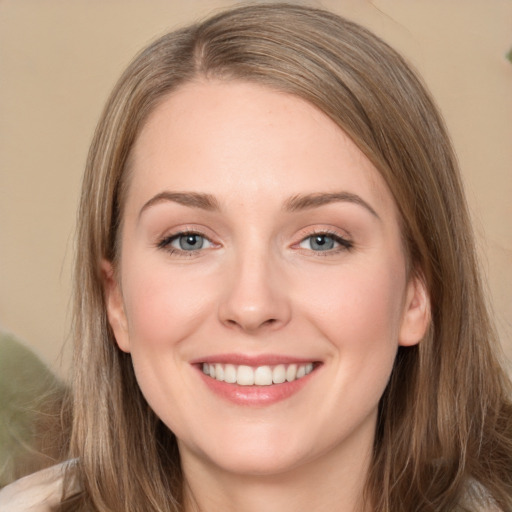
(231,138)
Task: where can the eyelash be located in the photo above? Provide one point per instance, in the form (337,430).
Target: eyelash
(343,243)
(166,242)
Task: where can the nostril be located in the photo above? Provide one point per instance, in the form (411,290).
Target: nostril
(251,325)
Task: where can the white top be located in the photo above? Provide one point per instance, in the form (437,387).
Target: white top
(39,492)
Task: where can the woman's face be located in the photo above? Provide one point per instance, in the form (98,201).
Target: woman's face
(259,243)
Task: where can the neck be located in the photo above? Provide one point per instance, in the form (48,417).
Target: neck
(334,481)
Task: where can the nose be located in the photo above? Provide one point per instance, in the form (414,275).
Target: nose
(255,297)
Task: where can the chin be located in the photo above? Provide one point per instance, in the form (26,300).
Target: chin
(262,463)
(251,454)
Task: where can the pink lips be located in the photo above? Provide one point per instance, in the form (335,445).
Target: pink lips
(253,395)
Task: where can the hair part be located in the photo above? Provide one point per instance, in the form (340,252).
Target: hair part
(444,418)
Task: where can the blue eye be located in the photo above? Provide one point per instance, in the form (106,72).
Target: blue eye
(188,242)
(185,242)
(322,242)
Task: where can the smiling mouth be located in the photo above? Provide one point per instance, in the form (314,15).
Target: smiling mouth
(244,375)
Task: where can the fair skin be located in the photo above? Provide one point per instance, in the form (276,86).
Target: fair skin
(292,257)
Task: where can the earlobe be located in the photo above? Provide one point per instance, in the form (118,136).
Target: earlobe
(416,316)
(115,306)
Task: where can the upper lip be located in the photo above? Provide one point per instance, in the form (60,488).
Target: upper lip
(253,360)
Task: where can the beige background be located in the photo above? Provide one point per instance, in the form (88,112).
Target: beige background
(59,59)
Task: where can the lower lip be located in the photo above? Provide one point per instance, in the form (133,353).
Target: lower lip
(256,395)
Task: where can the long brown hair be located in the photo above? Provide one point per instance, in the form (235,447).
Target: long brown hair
(444,434)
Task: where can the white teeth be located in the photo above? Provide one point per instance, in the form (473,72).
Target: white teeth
(245,376)
(260,376)
(263,376)
(219,372)
(279,374)
(230,374)
(291,372)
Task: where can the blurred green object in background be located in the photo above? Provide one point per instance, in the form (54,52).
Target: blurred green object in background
(30,401)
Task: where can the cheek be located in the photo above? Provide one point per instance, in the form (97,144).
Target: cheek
(359,313)
(361,302)
(164,310)
(164,306)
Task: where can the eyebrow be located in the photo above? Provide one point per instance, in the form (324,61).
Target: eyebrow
(191,199)
(307,201)
(295,203)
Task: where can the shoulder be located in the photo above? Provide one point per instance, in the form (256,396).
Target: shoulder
(39,492)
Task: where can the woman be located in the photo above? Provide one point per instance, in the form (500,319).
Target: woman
(277,304)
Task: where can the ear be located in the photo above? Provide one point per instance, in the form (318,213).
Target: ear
(416,313)
(115,306)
